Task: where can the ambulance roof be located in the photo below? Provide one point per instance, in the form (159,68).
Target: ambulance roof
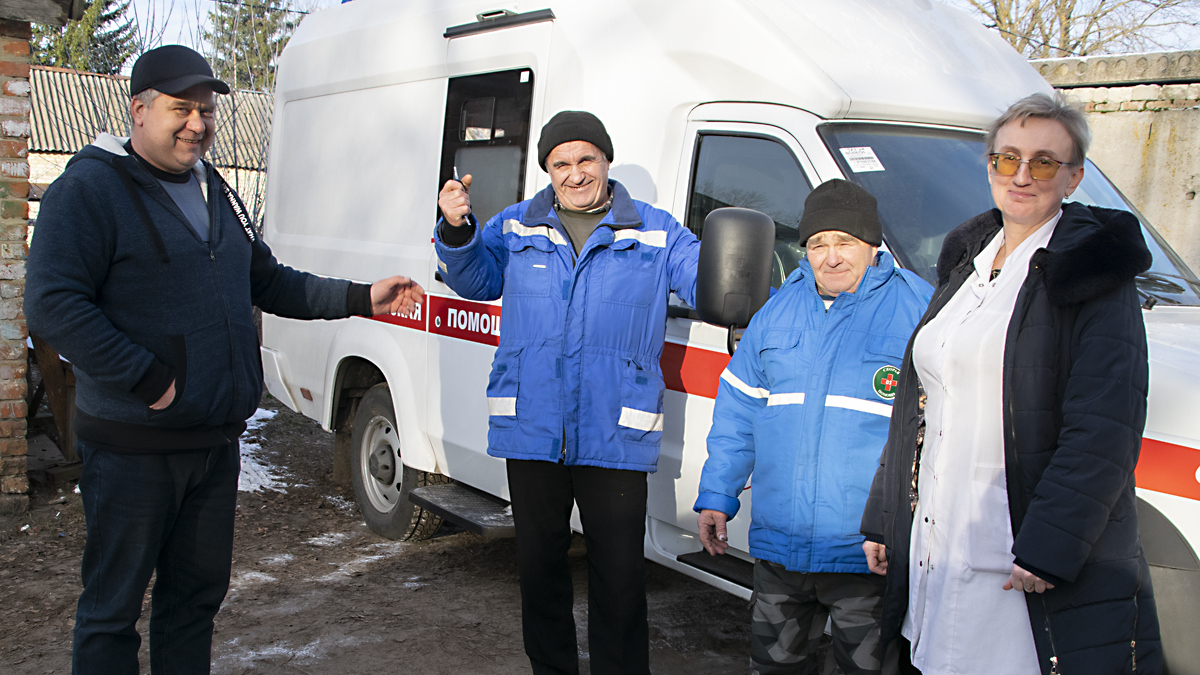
(907,60)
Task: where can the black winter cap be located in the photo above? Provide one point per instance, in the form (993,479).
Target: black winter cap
(843,206)
(573,125)
(171,69)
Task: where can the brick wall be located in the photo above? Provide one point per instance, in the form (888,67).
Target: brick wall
(14,215)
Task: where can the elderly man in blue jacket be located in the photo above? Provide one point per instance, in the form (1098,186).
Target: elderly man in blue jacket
(804,406)
(576,390)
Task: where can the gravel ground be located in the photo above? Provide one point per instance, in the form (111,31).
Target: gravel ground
(315,592)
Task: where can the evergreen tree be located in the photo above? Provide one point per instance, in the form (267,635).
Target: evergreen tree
(246,39)
(100,42)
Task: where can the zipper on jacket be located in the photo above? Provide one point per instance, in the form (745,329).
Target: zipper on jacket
(1136,612)
(1050,633)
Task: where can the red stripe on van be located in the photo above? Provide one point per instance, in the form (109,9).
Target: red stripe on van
(1166,467)
(464,320)
(692,371)
(414,319)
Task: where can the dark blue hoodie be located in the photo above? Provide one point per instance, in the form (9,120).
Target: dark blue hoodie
(123,288)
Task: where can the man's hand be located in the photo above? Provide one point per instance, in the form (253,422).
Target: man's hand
(876,557)
(454,201)
(712,531)
(1023,580)
(395,295)
(166,399)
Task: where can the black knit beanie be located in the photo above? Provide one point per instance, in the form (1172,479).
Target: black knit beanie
(573,125)
(843,206)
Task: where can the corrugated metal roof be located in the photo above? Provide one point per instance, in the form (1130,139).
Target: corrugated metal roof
(69,108)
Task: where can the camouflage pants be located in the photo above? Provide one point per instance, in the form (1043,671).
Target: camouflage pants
(790,610)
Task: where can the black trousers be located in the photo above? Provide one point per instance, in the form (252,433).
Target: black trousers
(170,514)
(612,506)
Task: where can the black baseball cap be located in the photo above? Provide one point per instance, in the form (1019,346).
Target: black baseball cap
(171,69)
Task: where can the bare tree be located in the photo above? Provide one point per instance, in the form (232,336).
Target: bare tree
(1057,28)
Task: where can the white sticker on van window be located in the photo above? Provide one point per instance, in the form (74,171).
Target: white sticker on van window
(861,159)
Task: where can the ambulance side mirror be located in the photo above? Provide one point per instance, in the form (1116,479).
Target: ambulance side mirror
(733,279)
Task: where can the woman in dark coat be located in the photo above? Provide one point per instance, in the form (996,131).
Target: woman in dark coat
(1018,473)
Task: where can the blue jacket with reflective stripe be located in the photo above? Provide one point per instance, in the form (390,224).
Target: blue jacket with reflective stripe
(804,405)
(576,377)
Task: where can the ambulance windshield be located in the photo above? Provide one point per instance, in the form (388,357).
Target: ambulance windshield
(929,181)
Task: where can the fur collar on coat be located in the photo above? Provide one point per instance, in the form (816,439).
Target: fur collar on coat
(1093,251)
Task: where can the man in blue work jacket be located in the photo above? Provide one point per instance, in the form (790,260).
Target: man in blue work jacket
(804,405)
(576,390)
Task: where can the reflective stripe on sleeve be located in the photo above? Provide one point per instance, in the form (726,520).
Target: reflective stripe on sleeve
(655,238)
(505,406)
(786,399)
(752,392)
(850,403)
(640,420)
(515,227)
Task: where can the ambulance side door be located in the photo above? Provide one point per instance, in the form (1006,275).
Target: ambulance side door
(486,135)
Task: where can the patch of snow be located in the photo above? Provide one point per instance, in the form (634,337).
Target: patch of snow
(350,568)
(340,502)
(389,546)
(355,567)
(246,579)
(301,654)
(327,539)
(259,419)
(257,474)
(281,559)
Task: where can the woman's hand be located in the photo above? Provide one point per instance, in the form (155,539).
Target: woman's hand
(876,557)
(1022,580)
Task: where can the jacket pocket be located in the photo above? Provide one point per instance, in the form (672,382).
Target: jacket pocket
(641,418)
(531,265)
(247,371)
(989,533)
(881,365)
(503,388)
(203,379)
(179,368)
(782,359)
(631,275)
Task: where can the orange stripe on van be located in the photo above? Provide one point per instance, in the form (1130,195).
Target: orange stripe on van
(1166,467)
(692,371)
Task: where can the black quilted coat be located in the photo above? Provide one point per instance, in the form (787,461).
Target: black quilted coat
(1075,379)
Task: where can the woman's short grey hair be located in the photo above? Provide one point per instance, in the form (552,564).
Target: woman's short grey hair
(147,96)
(1058,108)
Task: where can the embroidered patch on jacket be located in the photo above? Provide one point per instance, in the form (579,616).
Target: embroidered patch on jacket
(885,382)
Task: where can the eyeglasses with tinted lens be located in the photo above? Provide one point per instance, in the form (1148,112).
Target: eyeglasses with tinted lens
(1041,168)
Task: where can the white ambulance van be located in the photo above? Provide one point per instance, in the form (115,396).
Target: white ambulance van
(709,103)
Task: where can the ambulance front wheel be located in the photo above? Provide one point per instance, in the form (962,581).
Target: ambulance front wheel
(381,481)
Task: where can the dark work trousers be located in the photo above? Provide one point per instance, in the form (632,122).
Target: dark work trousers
(170,514)
(612,506)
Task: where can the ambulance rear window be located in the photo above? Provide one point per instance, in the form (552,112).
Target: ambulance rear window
(929,181)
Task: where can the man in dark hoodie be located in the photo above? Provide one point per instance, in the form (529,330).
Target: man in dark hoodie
(143,273)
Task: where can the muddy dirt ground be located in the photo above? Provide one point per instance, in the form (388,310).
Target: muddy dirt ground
(315,592)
